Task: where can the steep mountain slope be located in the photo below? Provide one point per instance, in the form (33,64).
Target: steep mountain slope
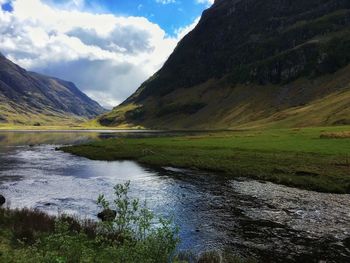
(28,97)
(251,63)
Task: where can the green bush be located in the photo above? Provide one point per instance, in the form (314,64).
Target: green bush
(134,235)
(138,239)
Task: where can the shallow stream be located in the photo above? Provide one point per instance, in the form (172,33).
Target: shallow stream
(247,217)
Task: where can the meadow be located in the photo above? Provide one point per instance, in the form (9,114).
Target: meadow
(315,158)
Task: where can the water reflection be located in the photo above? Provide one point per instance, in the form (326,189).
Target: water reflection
(250,218)
(22,138)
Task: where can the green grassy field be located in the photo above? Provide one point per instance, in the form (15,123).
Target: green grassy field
(90,125)
(310,158)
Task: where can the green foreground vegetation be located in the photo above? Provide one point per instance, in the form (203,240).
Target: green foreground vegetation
(131,234)
(309,158)
(128,236)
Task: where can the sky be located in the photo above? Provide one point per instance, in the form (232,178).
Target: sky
(106,47)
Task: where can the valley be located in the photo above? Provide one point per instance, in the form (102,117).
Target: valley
(248,220)
(235,150)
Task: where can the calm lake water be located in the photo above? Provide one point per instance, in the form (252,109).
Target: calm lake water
(247,217)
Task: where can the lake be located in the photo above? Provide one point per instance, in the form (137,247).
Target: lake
(214,211)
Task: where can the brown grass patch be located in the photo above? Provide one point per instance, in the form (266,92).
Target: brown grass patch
(335,135)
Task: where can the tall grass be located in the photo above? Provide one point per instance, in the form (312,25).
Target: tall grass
(134,235)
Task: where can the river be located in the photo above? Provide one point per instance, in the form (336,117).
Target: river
(214,211)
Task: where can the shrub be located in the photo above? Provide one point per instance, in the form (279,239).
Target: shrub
(133,235)
(138,238)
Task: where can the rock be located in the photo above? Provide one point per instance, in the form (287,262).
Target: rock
(2,200)
(107,215)
(346,242)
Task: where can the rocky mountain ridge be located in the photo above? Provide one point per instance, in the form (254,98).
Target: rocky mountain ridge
(28,97)
(248,61)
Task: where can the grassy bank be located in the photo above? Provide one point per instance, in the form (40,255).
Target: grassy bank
(60,124)
(32,236)
(310,158)
(76,127)
(131,234)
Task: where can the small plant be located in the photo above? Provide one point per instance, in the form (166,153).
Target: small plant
(134,229)
(132,235)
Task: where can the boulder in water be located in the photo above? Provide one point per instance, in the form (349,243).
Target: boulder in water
(2,200)
(107,215)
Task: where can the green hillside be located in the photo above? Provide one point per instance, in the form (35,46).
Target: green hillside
(28,98)
(251,63)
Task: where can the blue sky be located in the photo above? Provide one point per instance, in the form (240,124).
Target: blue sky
(169,15)
(107,48)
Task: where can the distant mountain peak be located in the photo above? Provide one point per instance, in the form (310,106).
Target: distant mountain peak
(28,95)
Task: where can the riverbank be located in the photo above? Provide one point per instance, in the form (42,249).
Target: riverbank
(126,236)
(65,128)
(37,237)
(309,158)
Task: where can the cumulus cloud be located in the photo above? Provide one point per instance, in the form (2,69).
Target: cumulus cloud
(107,56)
(183,31)
(207,2)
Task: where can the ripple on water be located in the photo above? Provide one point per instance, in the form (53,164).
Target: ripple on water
(249,217)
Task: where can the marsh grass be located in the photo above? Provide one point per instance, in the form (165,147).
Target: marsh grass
(293,157)
(132,236)
(32,236)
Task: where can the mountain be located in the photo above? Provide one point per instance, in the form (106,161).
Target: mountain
(251,63)
(31,98)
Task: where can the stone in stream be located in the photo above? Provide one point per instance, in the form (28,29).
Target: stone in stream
(107,215)
(2,200)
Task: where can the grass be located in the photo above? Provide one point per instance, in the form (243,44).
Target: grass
(249,106)
(32,236)
(129,237)
(23,118)
(295,157)
(90,125)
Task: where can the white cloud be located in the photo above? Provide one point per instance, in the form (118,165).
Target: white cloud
(183,31)
(107,56)
(206,2)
